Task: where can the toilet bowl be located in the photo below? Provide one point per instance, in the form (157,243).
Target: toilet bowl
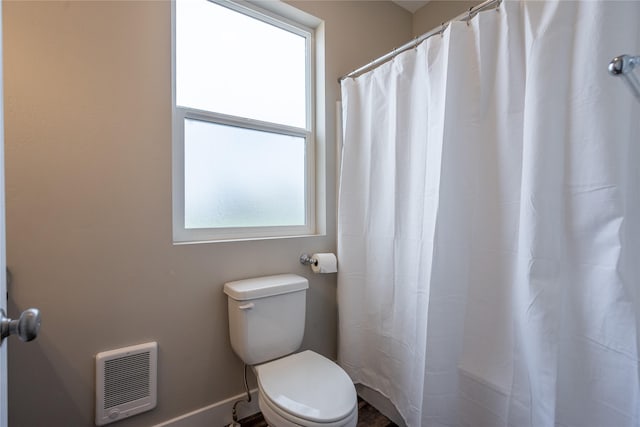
(266,327)
(306,389)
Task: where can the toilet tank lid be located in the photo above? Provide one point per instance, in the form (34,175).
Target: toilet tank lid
(260,287)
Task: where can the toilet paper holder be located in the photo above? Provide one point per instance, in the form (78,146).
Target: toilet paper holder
(306,259)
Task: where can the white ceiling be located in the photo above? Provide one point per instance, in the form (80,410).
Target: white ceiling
(411,5)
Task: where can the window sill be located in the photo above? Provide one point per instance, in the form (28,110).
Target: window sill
(246,239)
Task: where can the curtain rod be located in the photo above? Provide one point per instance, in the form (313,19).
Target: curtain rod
(465,17)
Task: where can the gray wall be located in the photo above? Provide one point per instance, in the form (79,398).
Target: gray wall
(88,176)
(434,13)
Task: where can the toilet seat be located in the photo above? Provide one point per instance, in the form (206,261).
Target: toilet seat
(307,389)
(275,417)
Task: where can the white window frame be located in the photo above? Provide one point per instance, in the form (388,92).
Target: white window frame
(179,114)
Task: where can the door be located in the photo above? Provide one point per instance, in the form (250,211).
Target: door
(3,252)
(28,325)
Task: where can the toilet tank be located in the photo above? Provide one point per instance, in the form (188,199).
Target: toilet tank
(266,316)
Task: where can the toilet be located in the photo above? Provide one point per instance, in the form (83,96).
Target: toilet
(266,327)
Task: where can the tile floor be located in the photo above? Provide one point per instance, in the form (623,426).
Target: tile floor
(368,416)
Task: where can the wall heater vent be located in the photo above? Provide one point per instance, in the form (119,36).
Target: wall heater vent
(126,380)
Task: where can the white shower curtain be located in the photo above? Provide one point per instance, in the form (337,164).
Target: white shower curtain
(489,222)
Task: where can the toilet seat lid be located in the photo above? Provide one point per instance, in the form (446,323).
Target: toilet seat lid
(309,386)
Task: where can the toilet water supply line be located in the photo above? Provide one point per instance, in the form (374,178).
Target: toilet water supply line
(234,412)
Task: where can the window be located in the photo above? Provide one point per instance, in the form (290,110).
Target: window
(243,123)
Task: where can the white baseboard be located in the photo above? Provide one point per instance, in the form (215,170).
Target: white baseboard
(217,414)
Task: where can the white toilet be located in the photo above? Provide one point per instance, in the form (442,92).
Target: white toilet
(266,325)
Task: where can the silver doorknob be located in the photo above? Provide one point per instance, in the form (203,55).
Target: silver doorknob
(26,327)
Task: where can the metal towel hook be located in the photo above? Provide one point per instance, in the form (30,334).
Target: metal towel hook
(623,66)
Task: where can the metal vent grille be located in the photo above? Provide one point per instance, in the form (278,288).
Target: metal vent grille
(125,382)
(126,379)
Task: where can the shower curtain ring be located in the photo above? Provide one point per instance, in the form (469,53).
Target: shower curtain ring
(469,15)
(442,29)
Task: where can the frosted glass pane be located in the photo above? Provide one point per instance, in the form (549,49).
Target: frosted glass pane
(237,177)
(230,63)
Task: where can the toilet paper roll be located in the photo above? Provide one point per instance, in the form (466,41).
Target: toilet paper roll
(324,263)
